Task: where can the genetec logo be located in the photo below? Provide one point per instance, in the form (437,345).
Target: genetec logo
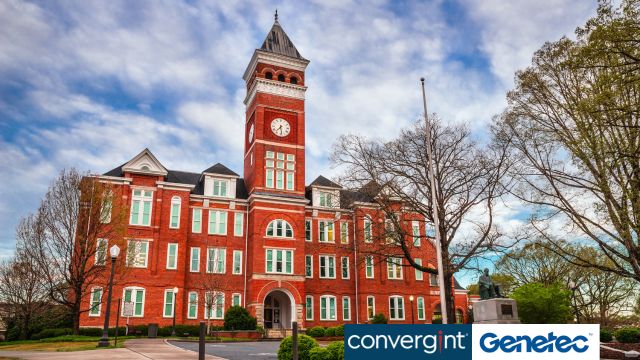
(547,342)
(373,342)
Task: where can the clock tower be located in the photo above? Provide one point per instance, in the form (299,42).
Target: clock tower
(274,128)
(274,166)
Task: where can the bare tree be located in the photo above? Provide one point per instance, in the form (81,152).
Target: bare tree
(395,174)
(213,281)
(22,288)
(62,238)
(573,122)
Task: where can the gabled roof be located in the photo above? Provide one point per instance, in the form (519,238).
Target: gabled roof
(323,181)
(145,162)
(220,169)
(278,42)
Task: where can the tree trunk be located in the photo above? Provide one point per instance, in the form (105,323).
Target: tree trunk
(75,313)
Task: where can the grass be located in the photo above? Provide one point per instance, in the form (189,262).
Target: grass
(60,343)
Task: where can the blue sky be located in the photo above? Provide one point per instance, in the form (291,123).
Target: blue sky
(89,84)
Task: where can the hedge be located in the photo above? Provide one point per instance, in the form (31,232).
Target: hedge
(606,335)
(316,331)
(238,318)
(336,349)
(628,335)
(319,354)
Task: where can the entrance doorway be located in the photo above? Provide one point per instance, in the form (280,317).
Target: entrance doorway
(277,310)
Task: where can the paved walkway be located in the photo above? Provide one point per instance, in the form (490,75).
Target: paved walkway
(258,350)
(143,349)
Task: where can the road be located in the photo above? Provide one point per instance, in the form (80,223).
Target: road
(258,350)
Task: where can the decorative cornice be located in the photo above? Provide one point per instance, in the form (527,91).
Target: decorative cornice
(114,179)
(174,186)
(274,87)
(273,59)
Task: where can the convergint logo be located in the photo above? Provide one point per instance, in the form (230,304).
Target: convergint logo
(536,341)
(373,342)
(491,342)
(428,344)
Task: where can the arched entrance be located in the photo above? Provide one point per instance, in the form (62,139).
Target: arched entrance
(436,318)
(279,310)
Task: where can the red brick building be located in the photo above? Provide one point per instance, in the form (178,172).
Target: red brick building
(284,250)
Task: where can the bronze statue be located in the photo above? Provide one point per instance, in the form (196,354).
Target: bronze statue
(488,290)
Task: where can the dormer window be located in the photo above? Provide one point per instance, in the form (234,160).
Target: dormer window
(220,187)
(326,199)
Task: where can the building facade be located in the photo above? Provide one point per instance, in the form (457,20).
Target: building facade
(266,241)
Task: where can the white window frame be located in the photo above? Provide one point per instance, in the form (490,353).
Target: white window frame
(274,261)
(323,236)
(279,225)
(416,237)
(238,224)
(142,198)
(134,291)
(173,303)
(308,229)
(342,267)
(326,300)
(133,262)
(216,305)
(101,250)
(367,230)
(233,268)
(419,274)
(175,259)
(217,223)
(309,266)
(369,258)
(218,253)
(325,199)
(308,309)
(397,300)
(176,200)
(92,303)
(238,296)
(372,306)
(191,258)
(106,207)
(327,266)
(344,232)
(419,300)
(279,169)
(220,182)
(198,229)
(190,303)
(394,267)
(348,308)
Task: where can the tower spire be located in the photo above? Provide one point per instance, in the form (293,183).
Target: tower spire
(276,16)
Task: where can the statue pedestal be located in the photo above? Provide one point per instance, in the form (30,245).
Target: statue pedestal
(495,311)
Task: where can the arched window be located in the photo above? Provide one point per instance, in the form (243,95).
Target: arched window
(268,75)
(436,318)
(175,212)
(279,228)
(294,80)
(281,77)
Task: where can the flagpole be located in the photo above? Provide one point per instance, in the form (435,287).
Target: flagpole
(434,207)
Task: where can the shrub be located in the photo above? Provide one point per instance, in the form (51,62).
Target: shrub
(336,349)
(121,331)
(187,330)
(606,335)
(330,331)
(316,331)
(319,354)
(379,319)
(238,318)
(305,344)
(628,335)
(340,330)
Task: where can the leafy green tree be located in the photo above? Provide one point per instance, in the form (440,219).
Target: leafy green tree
(540,304)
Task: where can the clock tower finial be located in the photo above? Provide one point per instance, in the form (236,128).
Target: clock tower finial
(276,16)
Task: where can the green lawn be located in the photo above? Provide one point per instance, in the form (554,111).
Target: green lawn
(60,343)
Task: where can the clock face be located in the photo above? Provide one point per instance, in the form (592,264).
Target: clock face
(280,127)
(251,133)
